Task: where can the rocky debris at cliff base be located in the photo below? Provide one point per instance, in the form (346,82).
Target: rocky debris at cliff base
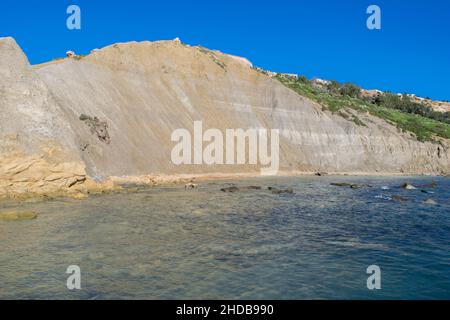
(17,215)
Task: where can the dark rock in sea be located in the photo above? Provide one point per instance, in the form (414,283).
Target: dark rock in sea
(321,174)
(426,191)
(234,188)
(408,186)
(432,185)
(399,198)
(360,186)
(230,189)
(341,184)
(351,185)
(251,188)
(280,191)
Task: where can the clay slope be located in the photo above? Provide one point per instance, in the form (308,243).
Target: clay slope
(132,96)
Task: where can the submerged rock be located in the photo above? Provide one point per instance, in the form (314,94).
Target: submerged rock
(17,215)
(351,185)
(230,189)
(252,188)
(399,198)
(234,188)
(359,186)
(430,201)
(341,184)
(432,185)
(280,191)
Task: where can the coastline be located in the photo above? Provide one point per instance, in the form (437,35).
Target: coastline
(115,184)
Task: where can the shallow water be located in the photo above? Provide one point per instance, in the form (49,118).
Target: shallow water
(170,243)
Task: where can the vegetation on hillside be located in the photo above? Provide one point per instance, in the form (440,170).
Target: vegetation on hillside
(409,116)
(212,56)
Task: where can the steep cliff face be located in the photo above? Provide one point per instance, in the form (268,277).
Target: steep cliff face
(28,111)
(116,109)
(36,142)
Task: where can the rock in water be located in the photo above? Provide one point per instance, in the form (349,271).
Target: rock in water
(230,189)
(430,201)
(341,184)
(251,188)
(399,198)
(359,186)
(432,185)
(351,185)
(408,186)
(17,215)
(280,191)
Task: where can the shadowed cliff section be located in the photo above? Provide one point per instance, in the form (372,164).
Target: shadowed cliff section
(113,113)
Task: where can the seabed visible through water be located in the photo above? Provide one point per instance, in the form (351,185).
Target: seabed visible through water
(172,243)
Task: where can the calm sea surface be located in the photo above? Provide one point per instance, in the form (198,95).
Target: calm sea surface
(169,243)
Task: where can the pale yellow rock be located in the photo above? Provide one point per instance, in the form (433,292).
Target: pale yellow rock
(17,215)
(79,196)
(430,202)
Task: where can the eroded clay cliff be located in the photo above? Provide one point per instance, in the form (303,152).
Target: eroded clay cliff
(112,113)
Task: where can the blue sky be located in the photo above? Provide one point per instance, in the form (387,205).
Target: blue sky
(320,38)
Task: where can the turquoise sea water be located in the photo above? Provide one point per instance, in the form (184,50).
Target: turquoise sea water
(169,243)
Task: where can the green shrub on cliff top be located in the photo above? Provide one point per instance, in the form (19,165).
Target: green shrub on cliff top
(409,116)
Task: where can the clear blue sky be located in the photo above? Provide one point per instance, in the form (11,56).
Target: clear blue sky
(317,38)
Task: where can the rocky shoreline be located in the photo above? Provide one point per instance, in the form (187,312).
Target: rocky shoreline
(129,185)
(69,180)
